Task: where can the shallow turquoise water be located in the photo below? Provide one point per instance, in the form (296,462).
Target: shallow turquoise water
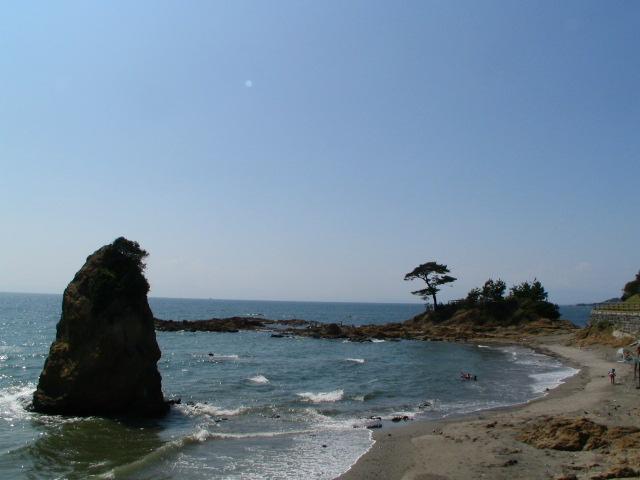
(259,407)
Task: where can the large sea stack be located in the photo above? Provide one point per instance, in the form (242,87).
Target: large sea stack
(104,358)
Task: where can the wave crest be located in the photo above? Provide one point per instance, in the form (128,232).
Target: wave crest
(550,380)
(198,409)
(261,379)
(216,356)
(321,397)
(14,401)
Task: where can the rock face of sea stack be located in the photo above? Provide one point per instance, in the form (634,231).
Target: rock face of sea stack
(104,358)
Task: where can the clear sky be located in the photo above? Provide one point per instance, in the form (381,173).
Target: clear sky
(320,150)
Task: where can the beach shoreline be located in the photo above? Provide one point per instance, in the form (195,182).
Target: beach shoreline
(483,444)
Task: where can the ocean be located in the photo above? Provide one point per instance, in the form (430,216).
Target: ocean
(253,406)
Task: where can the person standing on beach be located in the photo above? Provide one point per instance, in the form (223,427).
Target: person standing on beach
(612,376)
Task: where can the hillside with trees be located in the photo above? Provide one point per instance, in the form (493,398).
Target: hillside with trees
(491,304)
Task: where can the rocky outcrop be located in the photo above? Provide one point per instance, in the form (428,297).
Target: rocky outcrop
(104,358)
(574,434)
(619,471)
(601,333)
(418,328)
(229,325)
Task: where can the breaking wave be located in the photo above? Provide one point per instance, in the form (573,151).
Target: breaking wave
(14,401)
(322,397)
(197,409)
(551,380)
(260,379)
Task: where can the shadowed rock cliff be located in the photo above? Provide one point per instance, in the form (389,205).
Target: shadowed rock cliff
(104,358)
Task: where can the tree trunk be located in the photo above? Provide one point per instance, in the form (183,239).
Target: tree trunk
(435,304)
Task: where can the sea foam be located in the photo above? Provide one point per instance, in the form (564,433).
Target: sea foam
(321,397)
(260,379)
(14,400)
(198,409)
(217,356)
(550,380)
(200,435)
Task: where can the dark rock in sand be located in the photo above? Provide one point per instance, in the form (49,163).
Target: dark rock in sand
(104,358)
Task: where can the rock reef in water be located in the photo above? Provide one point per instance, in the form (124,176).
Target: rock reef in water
(228,325)
(104,358)
(418,328)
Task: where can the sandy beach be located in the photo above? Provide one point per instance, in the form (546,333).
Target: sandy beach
(485,444)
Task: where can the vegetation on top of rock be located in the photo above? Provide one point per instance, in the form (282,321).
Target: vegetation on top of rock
(631,288)
(633,299)
(119,273)
(526,301)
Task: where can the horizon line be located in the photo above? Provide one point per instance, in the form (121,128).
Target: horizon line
(238,299)
(279,300)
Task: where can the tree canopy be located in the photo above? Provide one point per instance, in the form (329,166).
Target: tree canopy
(434,275)
(117,271)
(493,290)
(631,288)
(130,250)
(533,291)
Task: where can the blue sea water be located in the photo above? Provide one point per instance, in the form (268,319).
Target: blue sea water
(578,314)
(258,407)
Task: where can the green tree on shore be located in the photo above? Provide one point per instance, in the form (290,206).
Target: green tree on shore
(525,301)
(631,288)
(493,290)
(434,275)
(534,291)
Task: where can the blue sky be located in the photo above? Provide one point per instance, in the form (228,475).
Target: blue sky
(321,150)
